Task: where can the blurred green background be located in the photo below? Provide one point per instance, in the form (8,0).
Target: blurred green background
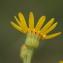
(49,51)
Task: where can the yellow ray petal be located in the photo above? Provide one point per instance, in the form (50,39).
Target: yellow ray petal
(23,22)
(16,27)
(31,21)
(40,23)
(51,28)
(17,21)
(47,25)
(52,35)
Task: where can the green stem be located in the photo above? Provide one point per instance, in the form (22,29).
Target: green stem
(28,57)
(32,42)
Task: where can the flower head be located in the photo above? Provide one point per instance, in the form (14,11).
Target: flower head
(33,33)
(39,29)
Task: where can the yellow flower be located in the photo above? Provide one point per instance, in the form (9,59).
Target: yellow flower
(60,61)
(39,29)
(34,33)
